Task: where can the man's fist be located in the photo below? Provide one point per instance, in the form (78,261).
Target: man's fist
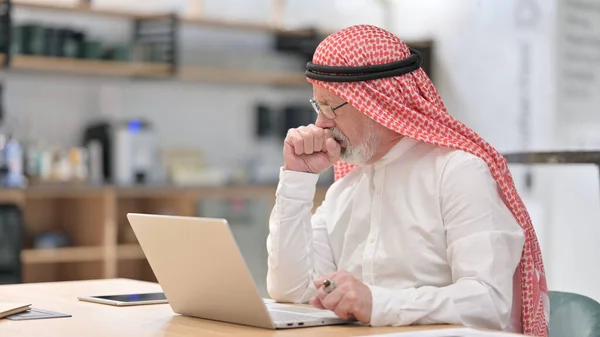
(310,149)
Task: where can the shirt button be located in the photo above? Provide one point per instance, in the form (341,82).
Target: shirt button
(372,239)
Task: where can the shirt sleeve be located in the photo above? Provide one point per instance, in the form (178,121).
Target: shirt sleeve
(484,246)
(298,243)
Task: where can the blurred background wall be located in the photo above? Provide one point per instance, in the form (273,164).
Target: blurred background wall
(522,73)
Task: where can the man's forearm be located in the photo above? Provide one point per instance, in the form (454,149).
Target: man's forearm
(289,259)
(295,252)
(467,302)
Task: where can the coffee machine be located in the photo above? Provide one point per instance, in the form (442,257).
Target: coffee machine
(122,152)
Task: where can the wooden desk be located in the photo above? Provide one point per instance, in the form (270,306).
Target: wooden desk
(98,320)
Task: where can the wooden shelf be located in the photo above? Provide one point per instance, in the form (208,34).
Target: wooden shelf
(94,219)
(251,26)
(87,67)
(153,70)
(130,251)
(62,191)
(12,196)
(242,76)
(150,70)
(68,254)
(80,192)
(210,22)
(84,9)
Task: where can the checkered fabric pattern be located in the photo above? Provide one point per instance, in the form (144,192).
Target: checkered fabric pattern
(410,105)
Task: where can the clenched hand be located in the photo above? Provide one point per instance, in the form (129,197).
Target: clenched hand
(310,149)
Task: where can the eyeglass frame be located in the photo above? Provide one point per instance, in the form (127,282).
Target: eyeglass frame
(317,106)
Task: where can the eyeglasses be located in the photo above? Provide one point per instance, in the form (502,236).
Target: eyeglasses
(325,109)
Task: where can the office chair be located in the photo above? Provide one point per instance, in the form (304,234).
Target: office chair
(11,243)
(573,315)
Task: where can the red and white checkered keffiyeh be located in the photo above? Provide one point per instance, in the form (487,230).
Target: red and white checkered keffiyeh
(410,105)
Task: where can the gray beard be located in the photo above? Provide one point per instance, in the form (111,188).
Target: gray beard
(359,154)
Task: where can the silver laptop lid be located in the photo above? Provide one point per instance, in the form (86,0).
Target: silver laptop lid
(200,268)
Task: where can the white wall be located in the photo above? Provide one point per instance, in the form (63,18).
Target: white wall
(483,58)
(575,205)
(477,61)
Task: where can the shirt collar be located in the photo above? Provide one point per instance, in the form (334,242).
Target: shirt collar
(397,150)
(394,153)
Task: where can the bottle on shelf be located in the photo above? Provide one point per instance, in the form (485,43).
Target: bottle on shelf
(13,154)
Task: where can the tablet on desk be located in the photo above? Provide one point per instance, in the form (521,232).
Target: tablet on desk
(127,299)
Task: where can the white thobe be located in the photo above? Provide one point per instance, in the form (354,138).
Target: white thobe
(424,228)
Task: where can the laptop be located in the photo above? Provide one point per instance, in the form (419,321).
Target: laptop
(203,274)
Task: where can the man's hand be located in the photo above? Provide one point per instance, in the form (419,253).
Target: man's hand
(351,299)
(310,149)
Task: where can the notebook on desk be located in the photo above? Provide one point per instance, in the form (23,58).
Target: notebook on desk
(11,308)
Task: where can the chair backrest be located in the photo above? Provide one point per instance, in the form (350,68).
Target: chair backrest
(573,315)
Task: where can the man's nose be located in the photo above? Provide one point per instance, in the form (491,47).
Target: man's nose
(323,122)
